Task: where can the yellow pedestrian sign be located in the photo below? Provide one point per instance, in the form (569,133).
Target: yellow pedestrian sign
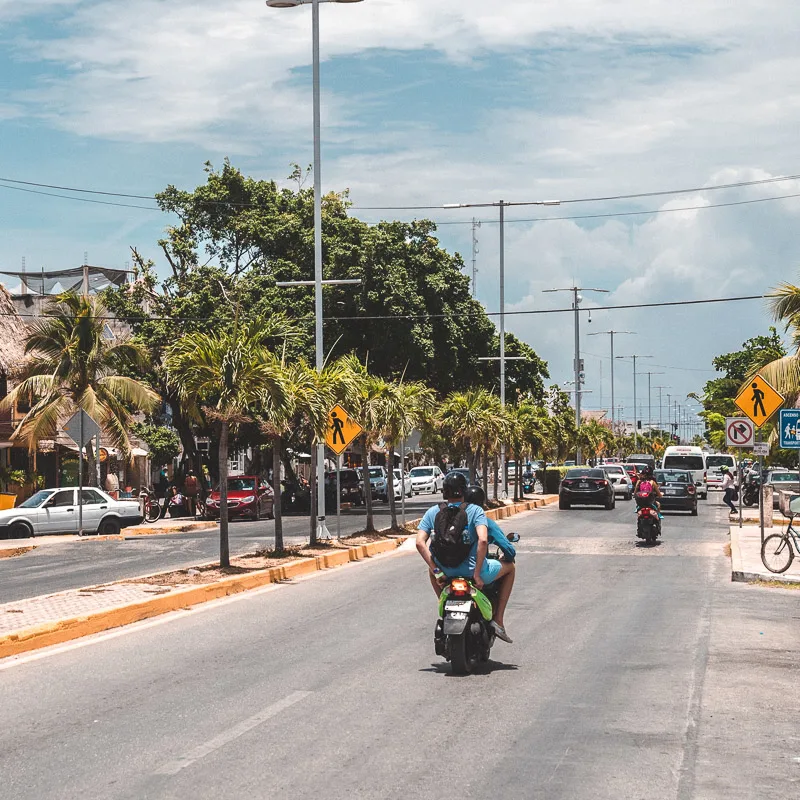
(341,430)
(759,400)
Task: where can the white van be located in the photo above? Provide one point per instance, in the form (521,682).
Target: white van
(713,463)
(692,459)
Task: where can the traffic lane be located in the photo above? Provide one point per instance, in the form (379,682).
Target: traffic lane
(72,565)
(620,523)
(591,701)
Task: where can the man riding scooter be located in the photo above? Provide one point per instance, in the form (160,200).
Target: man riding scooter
(475,565)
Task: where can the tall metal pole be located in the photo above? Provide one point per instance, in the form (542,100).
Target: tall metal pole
(80,478)
(322,531)
(503,337)
(578,459)
(635,409)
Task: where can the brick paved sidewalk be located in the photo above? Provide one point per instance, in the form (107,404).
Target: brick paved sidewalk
(35,611)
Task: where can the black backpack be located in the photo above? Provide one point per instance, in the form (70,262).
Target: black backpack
(449,546)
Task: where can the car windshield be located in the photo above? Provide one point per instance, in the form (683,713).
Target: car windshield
(375,472)
(784,477)
(421,472)
(684,462)
(586,473)
(241,485)
(36,500)
(614,468)
(718,461)
(672,477)
(398,474)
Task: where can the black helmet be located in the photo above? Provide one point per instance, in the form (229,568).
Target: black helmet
(454,486)
(475,495)
(647,471)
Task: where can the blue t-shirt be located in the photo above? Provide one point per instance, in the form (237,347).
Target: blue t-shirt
(475,516)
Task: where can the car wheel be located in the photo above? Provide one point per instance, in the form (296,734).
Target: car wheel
(563,504)
(109,527)
(20,530)
(694,510)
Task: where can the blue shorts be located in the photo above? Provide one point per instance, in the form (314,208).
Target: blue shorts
(489,572)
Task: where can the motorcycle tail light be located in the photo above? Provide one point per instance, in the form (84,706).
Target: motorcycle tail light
(459,586)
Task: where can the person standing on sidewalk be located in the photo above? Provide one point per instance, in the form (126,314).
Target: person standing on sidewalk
(729,488)
(191,487)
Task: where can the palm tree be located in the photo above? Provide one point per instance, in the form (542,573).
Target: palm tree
(402,407)
(467,418)
(73,365)
(229,374)
(783,371)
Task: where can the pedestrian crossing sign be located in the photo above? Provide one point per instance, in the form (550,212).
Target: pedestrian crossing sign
(341,430)
(759,401)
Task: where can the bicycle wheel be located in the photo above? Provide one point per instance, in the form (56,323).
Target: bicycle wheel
(777,553)
(152,512)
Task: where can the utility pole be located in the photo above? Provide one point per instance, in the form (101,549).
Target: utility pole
(475,225)
(612,334)
(635,407)
(660,407)
(649,403)
(578,365)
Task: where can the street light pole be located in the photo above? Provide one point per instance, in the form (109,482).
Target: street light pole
(612,334)
(576,300)
(501,204)
(660,408)
(649,403)
(635,407)
(322,530)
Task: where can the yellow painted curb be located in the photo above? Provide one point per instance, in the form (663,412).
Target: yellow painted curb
(76,627)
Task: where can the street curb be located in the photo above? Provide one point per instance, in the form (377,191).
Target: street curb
(65,630)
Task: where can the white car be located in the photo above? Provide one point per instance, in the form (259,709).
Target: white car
(56,511)
(402,484)
(620,480)
(426,479)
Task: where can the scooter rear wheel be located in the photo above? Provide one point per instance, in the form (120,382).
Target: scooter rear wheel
(461,660)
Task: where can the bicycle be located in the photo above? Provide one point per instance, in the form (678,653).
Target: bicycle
(777,553)
(150,505)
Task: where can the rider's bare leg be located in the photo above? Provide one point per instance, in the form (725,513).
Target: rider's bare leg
(505,585)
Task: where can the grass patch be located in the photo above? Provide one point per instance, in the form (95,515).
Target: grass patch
(777,584)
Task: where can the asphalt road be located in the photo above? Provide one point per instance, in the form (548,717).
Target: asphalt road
(636,673)
(74,564)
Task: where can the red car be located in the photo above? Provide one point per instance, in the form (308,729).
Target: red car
(248,496)
(633,472)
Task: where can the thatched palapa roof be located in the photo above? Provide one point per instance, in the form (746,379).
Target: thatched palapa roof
(12,335)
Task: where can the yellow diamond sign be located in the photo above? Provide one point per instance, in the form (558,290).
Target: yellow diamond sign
(759,400)
(341,430)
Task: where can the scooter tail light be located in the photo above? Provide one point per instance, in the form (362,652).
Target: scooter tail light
(459,586)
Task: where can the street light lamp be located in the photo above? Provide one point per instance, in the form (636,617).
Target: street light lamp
(322,531)
(502,205)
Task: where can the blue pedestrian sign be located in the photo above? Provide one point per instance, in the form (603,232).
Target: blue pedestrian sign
(790,428)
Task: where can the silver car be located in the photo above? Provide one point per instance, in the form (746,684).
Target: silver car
(620,480)
(426,479)
(52,511)
(784,480)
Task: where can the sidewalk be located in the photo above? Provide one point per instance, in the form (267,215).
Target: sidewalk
(161,527)
(746,564)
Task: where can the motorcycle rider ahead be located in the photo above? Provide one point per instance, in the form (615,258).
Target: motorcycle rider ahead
(476,566)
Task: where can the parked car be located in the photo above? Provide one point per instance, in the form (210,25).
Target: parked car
(677,489)
(402,484)
(782,480)
(51,511)
(426,479)
(620,480)
(586,486)
(351,487)
(379,483)
(248,496)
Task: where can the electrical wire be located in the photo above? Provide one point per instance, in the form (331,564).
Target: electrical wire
(79,199)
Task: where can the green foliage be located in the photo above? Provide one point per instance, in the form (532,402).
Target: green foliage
(163,442)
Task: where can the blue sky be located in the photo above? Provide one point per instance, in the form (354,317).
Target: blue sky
(429,102)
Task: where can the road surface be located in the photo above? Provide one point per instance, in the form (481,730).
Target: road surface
(636,673)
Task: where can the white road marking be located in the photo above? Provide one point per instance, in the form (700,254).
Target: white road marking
(226,737)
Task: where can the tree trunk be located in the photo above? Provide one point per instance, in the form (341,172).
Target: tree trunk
(496,476)
(224,551)
(485,472)
(276,491)
(370,526)
(518,495)
(390,484)
(312,483)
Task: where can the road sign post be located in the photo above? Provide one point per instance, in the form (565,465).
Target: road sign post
(81,428)
(340,433)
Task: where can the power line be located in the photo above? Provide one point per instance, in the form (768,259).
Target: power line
(78,199)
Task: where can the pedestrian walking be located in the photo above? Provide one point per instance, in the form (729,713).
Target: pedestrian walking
(729,488)
(191,488)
